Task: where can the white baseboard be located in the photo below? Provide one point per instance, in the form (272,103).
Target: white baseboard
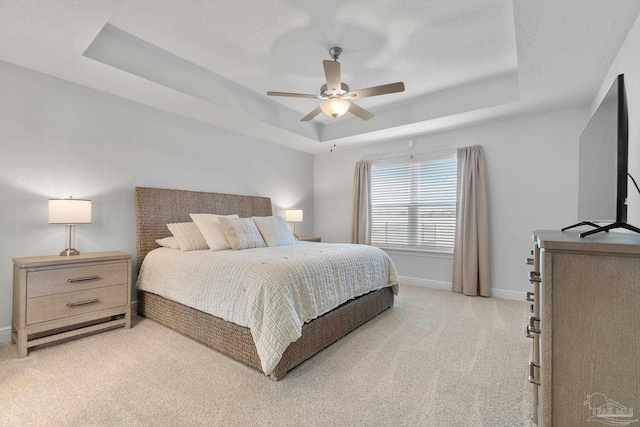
(506,294)
(5,334)
(434,284)
(446,286)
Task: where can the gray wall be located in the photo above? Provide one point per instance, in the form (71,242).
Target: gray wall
(532,168)
(59,139)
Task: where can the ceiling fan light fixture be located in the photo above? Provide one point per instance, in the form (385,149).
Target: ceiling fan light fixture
(334,107)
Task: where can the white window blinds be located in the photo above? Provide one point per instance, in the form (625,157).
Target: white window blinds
(413,203)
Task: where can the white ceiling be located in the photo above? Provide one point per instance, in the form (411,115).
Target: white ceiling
(462,62)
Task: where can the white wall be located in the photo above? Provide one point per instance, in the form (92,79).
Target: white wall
(532,168)
(59,139)
(627,62)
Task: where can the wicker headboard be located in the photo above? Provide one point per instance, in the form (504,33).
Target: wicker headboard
(157,207)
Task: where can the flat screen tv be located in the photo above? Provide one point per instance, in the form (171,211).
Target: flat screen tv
(604,148)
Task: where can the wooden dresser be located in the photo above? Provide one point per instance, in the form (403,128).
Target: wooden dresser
(57,297)
(586,329)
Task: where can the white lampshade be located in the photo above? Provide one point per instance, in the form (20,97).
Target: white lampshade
(293,215)
(334,107)
(69,211)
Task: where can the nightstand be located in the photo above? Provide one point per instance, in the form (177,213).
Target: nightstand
(309,239)
(57,297)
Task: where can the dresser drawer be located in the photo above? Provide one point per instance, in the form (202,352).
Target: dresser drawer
(55,281)
(53,307)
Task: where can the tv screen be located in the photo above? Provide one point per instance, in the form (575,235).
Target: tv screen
(603,160)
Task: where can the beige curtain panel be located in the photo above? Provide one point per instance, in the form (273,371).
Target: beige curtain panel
(471,248)
(361,226)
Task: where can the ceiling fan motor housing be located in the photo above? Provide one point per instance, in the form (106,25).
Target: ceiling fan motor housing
(335,52)
(326,93)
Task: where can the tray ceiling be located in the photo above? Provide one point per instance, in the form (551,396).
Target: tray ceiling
(462,62)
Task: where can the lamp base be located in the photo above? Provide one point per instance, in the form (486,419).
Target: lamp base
(69,252)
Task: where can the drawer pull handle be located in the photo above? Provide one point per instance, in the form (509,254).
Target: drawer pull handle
(531,328)
(534,277)
(530,297)
(78,304)
(83,279)
(527,332)
(531,377)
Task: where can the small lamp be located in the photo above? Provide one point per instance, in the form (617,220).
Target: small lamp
(293,215)
(69,212)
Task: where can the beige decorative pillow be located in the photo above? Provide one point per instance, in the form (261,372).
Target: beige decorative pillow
(211,229)
(274,230)
(188,236)
(241,233)
(169,242)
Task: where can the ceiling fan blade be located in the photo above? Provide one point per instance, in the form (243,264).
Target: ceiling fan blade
(359,112)
(376,90)
(292,95)
(332,73)
(311,115)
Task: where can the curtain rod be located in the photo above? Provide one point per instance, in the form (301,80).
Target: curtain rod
(409,155)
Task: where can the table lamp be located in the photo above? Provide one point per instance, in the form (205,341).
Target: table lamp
(70,212)
(293,215)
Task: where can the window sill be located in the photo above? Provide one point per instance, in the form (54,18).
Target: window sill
(417,252)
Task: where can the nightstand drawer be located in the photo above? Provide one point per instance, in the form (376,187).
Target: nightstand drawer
(67,304)
(55,281)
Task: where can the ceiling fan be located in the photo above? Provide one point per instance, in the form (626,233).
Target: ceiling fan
(337,96)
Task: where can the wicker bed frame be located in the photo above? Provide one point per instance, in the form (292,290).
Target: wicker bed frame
(156,207)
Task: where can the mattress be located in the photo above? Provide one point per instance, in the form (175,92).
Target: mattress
(272,291)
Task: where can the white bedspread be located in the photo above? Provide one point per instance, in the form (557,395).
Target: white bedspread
(272,291)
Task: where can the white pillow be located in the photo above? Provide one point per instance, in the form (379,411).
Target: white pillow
(241,233)
(210,228)
(188,236)
(274,230)
(169,242)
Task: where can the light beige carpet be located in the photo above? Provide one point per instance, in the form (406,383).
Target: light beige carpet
(435,359)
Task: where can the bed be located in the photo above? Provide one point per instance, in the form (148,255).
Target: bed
(156,207)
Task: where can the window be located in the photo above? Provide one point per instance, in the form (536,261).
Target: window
(413,203)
